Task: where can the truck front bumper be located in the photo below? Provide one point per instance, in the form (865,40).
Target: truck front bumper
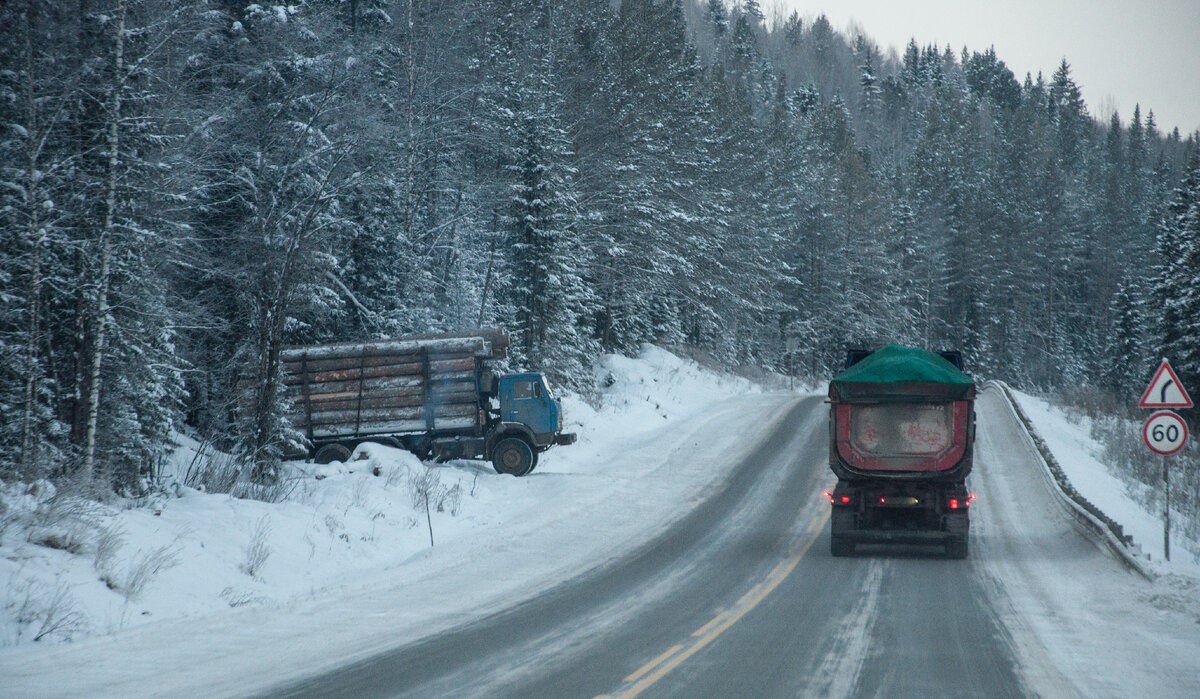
(565,438)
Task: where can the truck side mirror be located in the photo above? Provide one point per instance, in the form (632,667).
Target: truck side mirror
(954,357)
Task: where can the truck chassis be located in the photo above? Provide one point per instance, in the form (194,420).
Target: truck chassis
(870,513)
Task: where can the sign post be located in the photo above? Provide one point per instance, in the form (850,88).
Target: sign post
(1166,511)
(1165,433)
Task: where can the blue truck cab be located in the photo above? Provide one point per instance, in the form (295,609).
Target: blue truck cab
(530,422)
(526,399)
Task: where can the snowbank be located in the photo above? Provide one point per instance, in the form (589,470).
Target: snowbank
(1068,436)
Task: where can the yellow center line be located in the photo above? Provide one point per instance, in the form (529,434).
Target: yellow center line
(753,591)
(651,665)
(673,658)
(715,620)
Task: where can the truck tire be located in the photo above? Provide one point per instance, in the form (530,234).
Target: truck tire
(957,548)
(328,453)
(513,456)
(841,521)
(958,525)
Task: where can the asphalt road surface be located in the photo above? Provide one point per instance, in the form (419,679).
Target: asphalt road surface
(743,599)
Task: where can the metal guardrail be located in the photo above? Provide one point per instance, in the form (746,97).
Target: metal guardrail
(1103,528)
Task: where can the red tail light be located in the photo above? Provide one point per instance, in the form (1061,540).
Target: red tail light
(954,503)
(844,499)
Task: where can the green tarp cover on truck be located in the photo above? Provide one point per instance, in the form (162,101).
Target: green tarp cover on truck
(894,372)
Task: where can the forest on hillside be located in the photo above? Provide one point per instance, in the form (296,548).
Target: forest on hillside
(186,188)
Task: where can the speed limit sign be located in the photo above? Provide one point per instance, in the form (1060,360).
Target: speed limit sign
(1165,432)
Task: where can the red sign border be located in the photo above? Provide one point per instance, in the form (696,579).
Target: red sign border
(1165,366)
(1146,428)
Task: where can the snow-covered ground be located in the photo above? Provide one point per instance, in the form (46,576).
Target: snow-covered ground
(101,569)
(347,557)
(1068,435)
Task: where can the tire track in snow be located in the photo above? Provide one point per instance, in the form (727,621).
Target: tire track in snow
(840,669)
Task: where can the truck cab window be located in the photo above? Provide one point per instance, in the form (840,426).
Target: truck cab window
(522,389)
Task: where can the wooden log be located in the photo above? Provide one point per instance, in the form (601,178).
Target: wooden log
(354,416)
(385,383)
(300,408)
(314,366)
(496,337)
(395,427)
(437,370)
(443,393)
(453,359)
(475,346)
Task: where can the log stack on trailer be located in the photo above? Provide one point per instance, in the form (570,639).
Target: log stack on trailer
(389,387)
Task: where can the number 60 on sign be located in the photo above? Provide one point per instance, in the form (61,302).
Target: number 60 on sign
(1165,432)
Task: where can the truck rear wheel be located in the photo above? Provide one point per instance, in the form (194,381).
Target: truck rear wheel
(841,521)
(513,456)
(328,453)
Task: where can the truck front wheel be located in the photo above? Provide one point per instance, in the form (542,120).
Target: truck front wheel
(513,456)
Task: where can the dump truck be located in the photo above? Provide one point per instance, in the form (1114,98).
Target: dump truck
(437,396)
(901,437)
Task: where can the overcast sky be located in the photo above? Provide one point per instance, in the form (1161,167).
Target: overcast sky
(1121,53)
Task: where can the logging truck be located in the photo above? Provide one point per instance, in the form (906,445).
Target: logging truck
(434,395)
(901,433)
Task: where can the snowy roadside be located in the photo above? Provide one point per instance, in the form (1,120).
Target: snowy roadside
(157,599)
(1080,622)
(1068,436)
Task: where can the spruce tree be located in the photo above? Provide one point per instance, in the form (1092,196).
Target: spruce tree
(1178,278)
